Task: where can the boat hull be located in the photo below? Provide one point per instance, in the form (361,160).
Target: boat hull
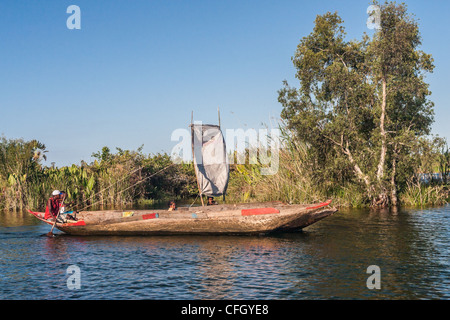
(215,220)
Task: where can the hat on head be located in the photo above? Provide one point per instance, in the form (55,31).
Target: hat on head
(55,193)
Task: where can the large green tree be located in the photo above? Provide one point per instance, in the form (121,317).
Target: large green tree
(362,105)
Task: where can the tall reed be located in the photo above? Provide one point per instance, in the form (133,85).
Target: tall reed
(418,194)
(113,180)
(291,183)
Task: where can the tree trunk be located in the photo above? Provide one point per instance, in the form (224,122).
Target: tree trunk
(382,200)
(358,171)
(394,199)
(380,171)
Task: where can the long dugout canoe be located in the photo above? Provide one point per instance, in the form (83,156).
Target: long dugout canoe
(229,219)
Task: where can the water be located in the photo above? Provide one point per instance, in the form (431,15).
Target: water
(328,260)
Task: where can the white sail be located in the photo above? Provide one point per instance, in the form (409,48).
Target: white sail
(210,159)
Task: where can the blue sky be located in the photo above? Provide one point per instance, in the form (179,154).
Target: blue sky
(136,69)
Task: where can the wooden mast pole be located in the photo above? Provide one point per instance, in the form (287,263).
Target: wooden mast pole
(218,114)
(193,157)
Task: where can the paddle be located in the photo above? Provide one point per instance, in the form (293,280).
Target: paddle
(50,234)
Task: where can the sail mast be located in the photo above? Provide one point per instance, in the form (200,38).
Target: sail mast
(193,155)
(218,113)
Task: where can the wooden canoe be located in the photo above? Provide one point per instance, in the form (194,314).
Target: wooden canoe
(229,219)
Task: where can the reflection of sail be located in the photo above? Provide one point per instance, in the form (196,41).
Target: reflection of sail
(210,159)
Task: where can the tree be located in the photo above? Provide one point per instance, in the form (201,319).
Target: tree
(363,103)
(20,164)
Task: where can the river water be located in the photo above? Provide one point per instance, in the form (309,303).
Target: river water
(328,260)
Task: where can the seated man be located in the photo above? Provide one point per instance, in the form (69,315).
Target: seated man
(53,206)
(66,215)
(211,201)
(172,205)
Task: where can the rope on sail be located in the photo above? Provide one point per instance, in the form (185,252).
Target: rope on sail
(112,185)
(132,186)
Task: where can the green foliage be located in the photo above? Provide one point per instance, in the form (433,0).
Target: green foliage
(362,106)
(113,179)
(20,163)
(294,182)
(356,128)
(420,195)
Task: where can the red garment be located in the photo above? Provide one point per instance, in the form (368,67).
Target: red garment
(52,211)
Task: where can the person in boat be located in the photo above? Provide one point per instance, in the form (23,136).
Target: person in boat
(53,206)
(63,213)
(211,201)
(172,205)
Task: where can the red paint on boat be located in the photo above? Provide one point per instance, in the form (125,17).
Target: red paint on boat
(257,211)
(75,224)
(40,216)
(149,216)
(320,205)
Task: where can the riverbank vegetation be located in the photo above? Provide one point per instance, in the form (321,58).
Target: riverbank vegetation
(130,178)
(114,180)
(301,178)
(363,105)
(357,129)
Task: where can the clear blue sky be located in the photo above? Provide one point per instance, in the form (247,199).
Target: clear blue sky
(136,69)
